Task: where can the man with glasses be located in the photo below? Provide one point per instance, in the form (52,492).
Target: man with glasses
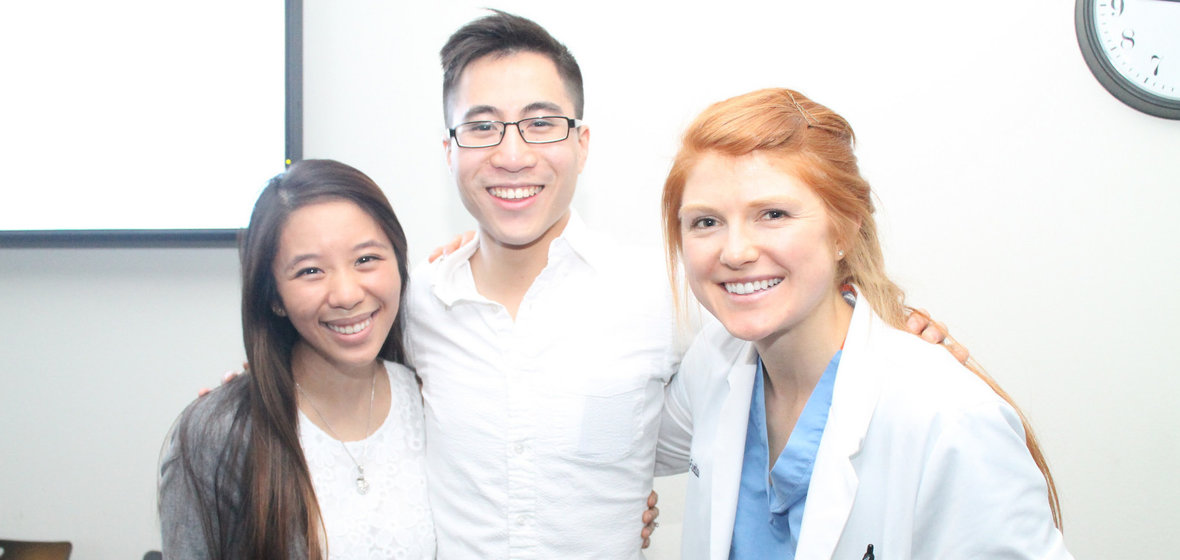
(543,349)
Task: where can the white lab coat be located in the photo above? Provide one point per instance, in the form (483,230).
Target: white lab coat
(919,458)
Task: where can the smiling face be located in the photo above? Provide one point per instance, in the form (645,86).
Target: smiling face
(338,283)
(758,247)
(519,193)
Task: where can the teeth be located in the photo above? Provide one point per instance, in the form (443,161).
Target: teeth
(513,193)
(354,328)
(743,288)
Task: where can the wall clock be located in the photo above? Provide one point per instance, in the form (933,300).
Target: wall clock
(1133,48)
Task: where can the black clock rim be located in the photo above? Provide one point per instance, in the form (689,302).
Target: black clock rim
(1109,77)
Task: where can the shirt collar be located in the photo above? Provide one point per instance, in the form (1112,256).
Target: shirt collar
(576,239)
(454,281)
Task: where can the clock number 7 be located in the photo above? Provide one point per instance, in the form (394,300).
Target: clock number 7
(1155,58)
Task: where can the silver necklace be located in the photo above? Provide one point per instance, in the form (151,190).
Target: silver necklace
(362,485)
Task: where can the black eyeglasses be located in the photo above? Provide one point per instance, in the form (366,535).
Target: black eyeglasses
(535,130)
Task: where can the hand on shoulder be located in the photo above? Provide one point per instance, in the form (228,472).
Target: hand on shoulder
(921,324)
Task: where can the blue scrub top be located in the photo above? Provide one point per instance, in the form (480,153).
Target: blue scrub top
(770,509)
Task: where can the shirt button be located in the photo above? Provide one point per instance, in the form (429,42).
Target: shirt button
(522,520)
(518,448)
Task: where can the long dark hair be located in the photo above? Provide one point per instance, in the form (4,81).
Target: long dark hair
(263,461)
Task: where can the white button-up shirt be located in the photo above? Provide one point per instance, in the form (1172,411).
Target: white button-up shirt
(541,432)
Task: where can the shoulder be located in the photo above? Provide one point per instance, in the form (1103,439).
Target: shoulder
(422,276)
(425,268)
(402,378)
(420,300)
(219,407)
(434,286)
(923,386)
(426,272)
(920,366)
(712,354)
(204,428)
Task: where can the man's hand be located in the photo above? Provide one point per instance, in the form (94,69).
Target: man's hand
(649,518)
(225,378)
(451,247)
(934,332)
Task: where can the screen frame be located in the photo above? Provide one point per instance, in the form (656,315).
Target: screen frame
(119,238)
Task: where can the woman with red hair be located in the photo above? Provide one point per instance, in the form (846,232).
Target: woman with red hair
(818,427)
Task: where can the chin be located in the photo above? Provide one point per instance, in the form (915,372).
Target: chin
(748,337)
(745,331)
(519,237)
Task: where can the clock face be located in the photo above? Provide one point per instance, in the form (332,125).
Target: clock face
(1133,48)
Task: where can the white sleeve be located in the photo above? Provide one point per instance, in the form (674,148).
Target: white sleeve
(981,495)
(675,440)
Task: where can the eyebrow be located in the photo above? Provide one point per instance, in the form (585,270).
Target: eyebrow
(547,107)
(774,201)
(756,203)
(370,244)
(687,210)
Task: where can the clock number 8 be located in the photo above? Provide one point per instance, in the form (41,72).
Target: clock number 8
(1128,39)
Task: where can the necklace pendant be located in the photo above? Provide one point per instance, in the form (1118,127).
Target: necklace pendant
(362,485)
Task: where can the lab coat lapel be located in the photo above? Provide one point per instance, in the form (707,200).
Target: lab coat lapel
(834,481)
(729,449)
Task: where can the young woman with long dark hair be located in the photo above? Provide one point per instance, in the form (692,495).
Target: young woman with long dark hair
(317,452)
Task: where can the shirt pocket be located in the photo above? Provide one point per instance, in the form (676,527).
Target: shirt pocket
(599,421)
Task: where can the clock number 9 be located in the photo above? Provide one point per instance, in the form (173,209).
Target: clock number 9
(1116,6)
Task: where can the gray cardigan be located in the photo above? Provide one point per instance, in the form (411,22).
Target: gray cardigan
(201,485)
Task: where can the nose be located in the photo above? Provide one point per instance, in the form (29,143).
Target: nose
(513,153)
(346,290)
(739,248)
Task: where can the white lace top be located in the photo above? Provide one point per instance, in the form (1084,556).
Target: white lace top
(393,519)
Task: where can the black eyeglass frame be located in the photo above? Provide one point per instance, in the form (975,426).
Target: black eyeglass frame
(572,124)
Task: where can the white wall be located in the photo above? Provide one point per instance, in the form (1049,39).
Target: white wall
(1021,204)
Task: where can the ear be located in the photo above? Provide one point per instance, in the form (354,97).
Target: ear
(447,149)
(844,243)
(583,146)
(277,308)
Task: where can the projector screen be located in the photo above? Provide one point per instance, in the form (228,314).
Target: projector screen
(127,119)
